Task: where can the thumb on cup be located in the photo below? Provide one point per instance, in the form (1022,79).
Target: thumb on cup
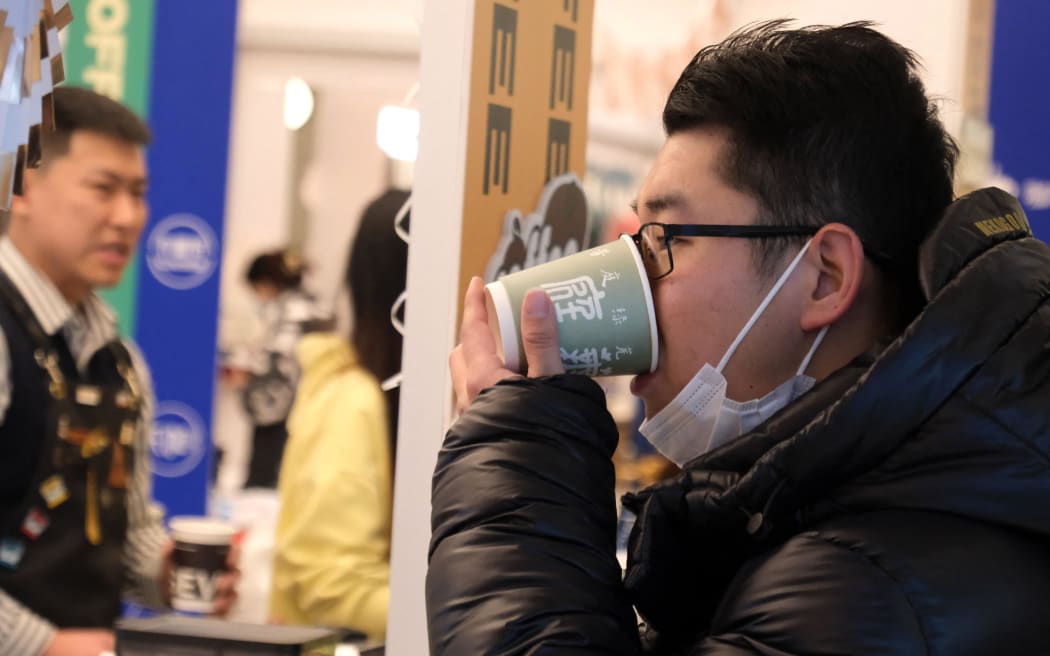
(539,335)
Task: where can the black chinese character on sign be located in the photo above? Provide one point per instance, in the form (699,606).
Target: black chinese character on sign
(558,135)
(575,7)
(563,66)
(504,47)
(497,147)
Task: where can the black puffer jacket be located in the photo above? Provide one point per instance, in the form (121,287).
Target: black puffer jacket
(900,507)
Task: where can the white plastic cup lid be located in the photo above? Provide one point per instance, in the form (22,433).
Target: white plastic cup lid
(202,530)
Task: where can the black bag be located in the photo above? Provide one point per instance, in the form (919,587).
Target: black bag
(268,396)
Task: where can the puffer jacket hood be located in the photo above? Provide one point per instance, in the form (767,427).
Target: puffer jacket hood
(950,417)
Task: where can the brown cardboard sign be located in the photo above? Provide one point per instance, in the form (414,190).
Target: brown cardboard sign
(58,70)
(7,178)
(7,37)
(527,129)
(33,147)
(47,112)
(20,160)
(31,66)
(64,14)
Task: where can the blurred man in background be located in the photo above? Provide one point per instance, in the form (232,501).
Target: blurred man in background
(77,528)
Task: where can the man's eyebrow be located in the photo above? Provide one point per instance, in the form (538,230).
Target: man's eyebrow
(113,176)
(659,204)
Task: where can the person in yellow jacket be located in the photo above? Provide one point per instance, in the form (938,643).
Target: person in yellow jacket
(332,549)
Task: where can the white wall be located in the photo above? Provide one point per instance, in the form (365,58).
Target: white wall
(257,182)
(353,75)
(390,25)
(647,45)
(934,29)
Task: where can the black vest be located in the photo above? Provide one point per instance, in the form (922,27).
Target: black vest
(66,457)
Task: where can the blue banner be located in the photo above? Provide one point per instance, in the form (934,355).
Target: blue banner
(1020,105)
(178,293)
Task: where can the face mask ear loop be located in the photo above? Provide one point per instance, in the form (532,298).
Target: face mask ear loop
(762,307)
(812,350)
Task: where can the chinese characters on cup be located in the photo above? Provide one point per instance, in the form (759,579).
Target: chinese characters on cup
(602,301)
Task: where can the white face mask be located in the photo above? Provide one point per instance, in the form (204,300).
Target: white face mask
(700,418)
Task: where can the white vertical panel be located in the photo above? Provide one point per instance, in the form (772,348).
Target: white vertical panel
(433,269)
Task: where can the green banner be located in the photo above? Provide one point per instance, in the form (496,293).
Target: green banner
(109,48)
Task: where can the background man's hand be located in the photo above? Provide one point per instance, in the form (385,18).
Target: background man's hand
(80,642)
(475,363)
(226,594)
(235,378)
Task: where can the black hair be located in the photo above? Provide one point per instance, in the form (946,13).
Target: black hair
(376,276)
(80,109)
(825,124)
(282,269)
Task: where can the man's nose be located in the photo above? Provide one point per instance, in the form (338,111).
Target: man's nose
(129,210)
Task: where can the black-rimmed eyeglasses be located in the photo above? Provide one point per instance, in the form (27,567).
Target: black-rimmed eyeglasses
(654,239)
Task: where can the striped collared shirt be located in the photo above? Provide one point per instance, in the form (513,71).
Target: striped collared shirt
(86,328)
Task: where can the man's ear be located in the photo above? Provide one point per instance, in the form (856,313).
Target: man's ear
(839,257)
(18,201)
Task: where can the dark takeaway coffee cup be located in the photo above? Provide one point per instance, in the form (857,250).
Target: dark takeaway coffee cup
(202,545)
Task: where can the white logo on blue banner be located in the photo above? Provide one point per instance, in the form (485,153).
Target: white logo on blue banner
(182,251)
(177,443)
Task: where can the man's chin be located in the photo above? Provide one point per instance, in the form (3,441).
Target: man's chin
(642,386)
(652,392)
(639,384)
(106,280)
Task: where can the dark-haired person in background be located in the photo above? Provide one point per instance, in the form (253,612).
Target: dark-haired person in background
(270,373)
(852,375)
(76,524)
(332,550)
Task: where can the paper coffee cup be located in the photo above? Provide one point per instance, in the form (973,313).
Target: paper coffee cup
(202,545)
(603,304)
